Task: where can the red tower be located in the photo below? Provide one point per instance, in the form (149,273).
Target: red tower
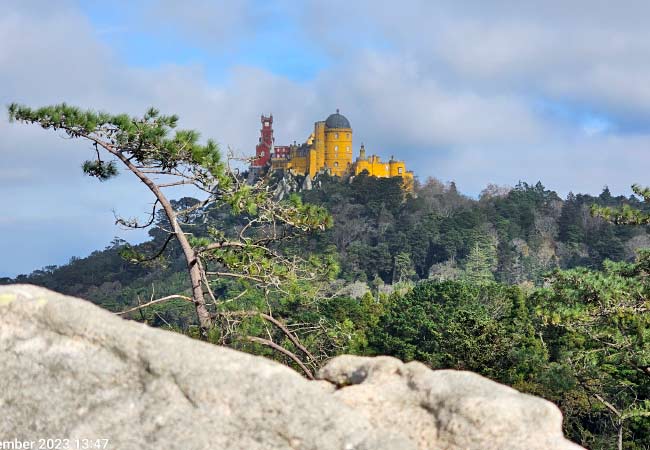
(265,146)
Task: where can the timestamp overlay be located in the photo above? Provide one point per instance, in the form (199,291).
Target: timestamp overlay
(47,443)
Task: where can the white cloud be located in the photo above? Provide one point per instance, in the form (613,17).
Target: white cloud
(59,59)
(213,23)
(395,101)
(446,86)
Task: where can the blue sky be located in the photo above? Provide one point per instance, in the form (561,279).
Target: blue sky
(477,92)
(278,43)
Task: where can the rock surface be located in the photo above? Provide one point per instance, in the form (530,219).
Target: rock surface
(307,184)
(444,409)
(71,370)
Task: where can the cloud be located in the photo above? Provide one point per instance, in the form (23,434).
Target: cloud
(61,59)
(581,51)
(208,22)
(400,103)
(454,88)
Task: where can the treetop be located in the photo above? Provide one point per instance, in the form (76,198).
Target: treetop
(147,140)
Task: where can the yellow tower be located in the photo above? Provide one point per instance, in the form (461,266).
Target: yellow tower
(318,147)
(338,144)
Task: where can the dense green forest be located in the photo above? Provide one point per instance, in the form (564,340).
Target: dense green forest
(521,286)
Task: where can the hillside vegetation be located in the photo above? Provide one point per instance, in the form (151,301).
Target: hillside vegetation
(520,285)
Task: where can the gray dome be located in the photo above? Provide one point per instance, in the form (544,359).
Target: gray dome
(337,121)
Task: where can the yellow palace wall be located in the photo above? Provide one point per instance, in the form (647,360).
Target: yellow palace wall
(331,148)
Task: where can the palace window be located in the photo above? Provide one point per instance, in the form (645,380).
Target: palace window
(399,170)
(262,153)
(336,135)
(348,148)
(336,148)
(336,163)
(348,136)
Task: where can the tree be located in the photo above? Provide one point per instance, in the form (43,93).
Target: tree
(459,325)
(403,268)
(478,267)
(494,191)
(161,157)
(597,324)
(626,215)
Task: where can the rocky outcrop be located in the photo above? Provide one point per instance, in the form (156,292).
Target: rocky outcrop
(355,290)
(307,184)
(72,370)
(285,187)
(444,409)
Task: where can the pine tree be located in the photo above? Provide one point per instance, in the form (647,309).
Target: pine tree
(478,266)
(626,215)
(403,269)
(602,320)
(160,156)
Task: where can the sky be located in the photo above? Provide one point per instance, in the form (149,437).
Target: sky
(475,92)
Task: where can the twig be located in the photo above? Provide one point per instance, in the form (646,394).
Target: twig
(289,334)
(153,302)
(284,351)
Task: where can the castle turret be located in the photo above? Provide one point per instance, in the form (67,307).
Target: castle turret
(362,153)
(265,145)
(319,147)
(338,144)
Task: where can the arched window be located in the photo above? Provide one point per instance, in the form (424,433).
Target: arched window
(336,148)
(336,135)
(336,163)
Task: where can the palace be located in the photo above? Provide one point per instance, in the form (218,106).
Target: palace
(327,149)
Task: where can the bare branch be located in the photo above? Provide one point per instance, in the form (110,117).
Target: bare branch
(608,405)
(133,223)
(292,337)
(162,249)
(176,183)
(218,245)
(236,275)
(153,302)
(284,351)
(235,298)
(163,319)
(289,334)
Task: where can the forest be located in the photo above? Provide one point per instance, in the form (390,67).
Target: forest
(519,285)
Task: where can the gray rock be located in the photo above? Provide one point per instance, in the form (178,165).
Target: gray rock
(72,370)
(307,184)
(340,288)
(445,409)
(282,190)
(356,290)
